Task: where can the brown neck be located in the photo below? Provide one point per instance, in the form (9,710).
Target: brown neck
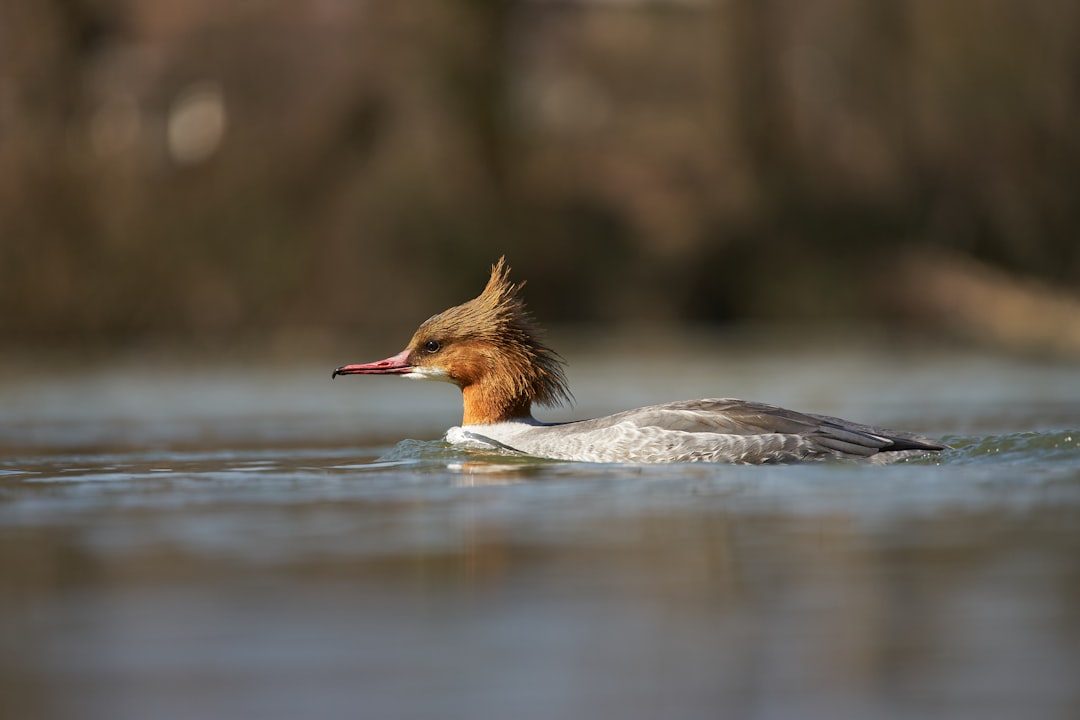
(484,406)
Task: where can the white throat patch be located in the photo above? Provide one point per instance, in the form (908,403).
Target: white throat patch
(428,373)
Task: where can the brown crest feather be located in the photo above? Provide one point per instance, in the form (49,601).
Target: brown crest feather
(503,366)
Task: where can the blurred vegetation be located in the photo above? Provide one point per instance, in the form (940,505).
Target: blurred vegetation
(211,171)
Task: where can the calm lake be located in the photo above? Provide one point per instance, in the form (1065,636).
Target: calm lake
(194,539)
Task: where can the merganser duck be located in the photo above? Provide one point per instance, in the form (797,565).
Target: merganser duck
(490,347)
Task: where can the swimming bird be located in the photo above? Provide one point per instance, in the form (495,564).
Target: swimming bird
(492,348)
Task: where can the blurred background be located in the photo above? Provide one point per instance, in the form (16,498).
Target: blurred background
(287,174)
(865,209)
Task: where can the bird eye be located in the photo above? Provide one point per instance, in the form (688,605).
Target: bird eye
(432,346)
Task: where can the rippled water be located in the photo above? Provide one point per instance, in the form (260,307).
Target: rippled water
(223,541)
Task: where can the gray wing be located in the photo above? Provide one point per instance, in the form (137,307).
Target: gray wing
(757,432)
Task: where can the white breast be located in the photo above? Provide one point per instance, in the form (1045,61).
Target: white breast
(621,442)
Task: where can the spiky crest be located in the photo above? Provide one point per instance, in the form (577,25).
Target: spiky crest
(494,347)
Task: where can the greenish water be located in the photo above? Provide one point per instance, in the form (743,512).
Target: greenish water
(223,541)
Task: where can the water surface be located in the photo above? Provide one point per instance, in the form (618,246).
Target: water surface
(221,540)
